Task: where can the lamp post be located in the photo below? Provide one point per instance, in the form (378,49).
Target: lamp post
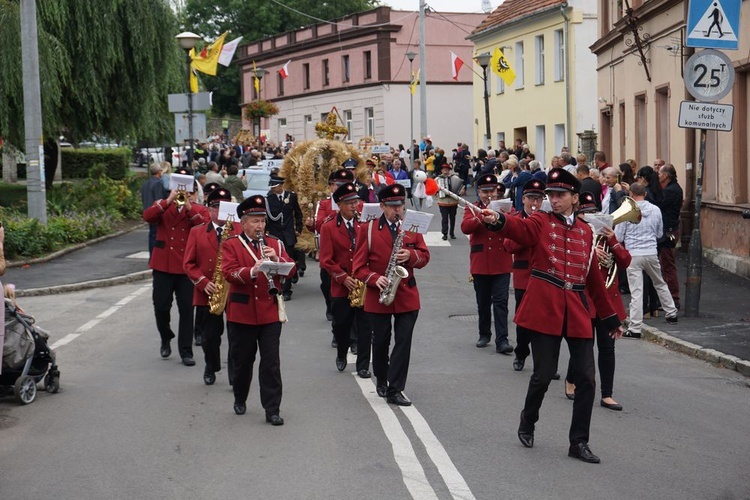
(484,60)
(259,74)
(411,55)
(187,41)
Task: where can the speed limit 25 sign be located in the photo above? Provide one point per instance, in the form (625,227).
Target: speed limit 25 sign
(709,75)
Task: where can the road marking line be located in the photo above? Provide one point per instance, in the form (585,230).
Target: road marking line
(141,290)
(138,255)
(453,479)
(406,459)
(88,326)
(65,340)
(435,239)
(125,300)
(108,312)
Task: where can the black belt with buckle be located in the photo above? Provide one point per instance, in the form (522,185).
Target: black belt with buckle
(565,285)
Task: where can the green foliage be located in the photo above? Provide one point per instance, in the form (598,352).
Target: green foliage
(12,195)
(260,109)
(119,199)
(82,163)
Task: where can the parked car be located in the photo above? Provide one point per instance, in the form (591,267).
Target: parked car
(257,181)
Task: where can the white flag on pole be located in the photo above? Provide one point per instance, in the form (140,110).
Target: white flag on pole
(227,51)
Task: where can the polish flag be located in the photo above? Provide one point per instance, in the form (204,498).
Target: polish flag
(284,71)
(456,64)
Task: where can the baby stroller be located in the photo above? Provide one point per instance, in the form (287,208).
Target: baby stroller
(27,360)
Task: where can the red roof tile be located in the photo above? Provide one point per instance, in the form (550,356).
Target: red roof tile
(514,9)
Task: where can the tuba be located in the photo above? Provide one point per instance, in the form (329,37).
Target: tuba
(217,301)
(628,212)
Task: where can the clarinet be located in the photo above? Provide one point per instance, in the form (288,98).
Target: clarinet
(272,290)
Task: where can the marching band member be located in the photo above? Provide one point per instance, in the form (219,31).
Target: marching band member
(337,244)
(254,310)
(490,266)
(373,257)
(533,193)
(604,343)
(203,247)
(173,224)
(560,273)
(284,220)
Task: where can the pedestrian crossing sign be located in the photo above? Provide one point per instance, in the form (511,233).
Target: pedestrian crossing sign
(714,24)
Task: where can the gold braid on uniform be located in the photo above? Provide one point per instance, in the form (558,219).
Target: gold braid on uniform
(306,169)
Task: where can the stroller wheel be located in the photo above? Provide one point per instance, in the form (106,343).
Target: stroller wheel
(51,384)
(25,390)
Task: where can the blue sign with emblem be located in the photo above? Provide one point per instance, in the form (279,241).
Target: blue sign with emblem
(714,24)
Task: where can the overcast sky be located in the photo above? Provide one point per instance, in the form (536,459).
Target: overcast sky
(441,5)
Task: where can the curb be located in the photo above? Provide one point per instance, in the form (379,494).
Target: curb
(712,356)
(86,285)
(67,250)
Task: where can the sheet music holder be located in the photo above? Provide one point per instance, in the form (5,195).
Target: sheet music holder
(181,182)
(417,222)
(276,268)
(370,211)
(228,209)
(503,206)
(599,221)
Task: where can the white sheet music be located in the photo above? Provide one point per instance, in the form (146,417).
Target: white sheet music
(226,209)
(503,206)
(278,268)
(599,221)
(181,181)
(370,211)
(418,222)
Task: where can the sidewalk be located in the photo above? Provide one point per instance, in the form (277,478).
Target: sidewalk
(720,335)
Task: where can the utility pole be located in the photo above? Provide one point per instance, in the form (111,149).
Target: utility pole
(422,73)
(32,113)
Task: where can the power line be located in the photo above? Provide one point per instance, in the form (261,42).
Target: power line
(292,9)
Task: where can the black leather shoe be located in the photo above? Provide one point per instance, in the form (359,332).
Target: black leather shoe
(341,364)
(363,374)
(353,349)
(287,297)
(518,364)
(611,406)
(301,273)
(453,236)
(334,344)
(295,279)
(399,399)
(504,348)
(672,319)
(188,361)
(526,433)
(556,376)
(166,350)
(329,316)
(274,420)
(631,334)
(445,237)
(483,341)
(209,378)
(382,390)
(198,340)
(582,452)
(240,408)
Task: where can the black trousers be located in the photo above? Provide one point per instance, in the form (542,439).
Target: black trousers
(392,369)
(347,319)
(606,360)
(523,336)
(167,285)
(245,341)
(492,299)
(325,287)
(212,328)
(200,319)
(299,258)
(448,219)
(545,350)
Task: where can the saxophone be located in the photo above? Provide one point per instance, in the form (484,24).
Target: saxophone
(217,301)
(394,273)
(357,296)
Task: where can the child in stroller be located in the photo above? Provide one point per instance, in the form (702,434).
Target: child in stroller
(26,357)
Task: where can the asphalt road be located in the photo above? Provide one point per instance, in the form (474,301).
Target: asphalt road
(130,425)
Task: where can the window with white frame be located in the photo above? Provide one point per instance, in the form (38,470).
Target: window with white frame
(519,65)
(282,122)
(539,50)
(559,56)
(540,151)
(348,121)
(370,122)
(308,118)
(500,83)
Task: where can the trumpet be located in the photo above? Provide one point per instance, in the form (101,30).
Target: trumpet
(181,198)
(272,290)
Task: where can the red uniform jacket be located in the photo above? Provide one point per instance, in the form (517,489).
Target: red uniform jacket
(249,302)
(324,211)
(200,258)
(521,259)
(561,269)
(371,261)
(172,230)
(487,253)
(622,258)
(337,253)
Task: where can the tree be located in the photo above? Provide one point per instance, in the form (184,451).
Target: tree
(253,20)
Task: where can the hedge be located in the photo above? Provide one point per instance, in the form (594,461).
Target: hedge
(77,163)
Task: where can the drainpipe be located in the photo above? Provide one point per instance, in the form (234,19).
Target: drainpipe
(564,6)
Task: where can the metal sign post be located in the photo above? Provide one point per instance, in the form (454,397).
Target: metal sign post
(709,76)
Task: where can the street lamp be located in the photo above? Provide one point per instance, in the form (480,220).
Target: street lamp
(259,73)
(411,55)
(484,60)
(187,41)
